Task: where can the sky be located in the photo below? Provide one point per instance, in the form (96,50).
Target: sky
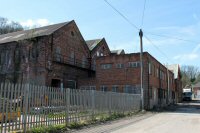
(179,20)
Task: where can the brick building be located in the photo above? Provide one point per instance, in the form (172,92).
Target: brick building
(196,90)
(55,55)
(121,73)
(98,47)
(175,68)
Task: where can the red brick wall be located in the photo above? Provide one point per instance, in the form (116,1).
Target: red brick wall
(71,44)
(103,48)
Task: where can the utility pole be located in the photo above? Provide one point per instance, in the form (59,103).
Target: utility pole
(141,71)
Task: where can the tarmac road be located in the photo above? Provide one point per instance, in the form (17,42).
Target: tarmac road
(183,118)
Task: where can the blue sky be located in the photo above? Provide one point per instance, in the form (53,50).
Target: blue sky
(95,19)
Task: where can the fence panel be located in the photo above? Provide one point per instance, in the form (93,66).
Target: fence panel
(25,106)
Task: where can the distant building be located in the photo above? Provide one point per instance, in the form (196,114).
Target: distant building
(175,68)
(196,90)
(121,73)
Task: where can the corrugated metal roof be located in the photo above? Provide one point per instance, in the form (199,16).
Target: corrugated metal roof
(92,43)
(27,34)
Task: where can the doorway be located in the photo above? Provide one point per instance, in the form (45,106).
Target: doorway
(56,83)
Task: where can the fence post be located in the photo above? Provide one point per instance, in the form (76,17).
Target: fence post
(93,103)
(67,106)
(110,102)
(25,105)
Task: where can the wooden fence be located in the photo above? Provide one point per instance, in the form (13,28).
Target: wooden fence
(25,106)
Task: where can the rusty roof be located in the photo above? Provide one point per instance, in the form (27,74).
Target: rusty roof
(32,33)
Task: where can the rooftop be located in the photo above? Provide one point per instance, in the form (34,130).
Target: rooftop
(93,43)
(118,51)
(27,34)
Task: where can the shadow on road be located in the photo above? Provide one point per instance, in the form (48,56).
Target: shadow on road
(190,107)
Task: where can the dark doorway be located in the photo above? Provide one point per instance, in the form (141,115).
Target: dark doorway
(55,83)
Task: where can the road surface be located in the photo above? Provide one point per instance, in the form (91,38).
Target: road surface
(184,118)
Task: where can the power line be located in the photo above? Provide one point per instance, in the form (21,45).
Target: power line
(123,16)
(143,13)
(171,37)
(157,48)
(133,25)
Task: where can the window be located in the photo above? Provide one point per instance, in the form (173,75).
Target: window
(115,88)
(2,58)
(98,53)
(34,52)
(106,66)
(150,69)
(127,89)
(72,58)
(104,88)
(84,61)
(134,64)
(17,56)
(157,72)
(88,87)
(119,65)
(162,75)
(58,54)
(72,33)
(92,87)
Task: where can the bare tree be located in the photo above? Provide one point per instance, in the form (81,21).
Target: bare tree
(190,74)
(7,26)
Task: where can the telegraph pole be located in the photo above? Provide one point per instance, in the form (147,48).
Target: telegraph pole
(141,67)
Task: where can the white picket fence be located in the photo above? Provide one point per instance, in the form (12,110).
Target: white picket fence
(25,106)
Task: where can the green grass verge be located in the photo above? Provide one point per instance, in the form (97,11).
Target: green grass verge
(78,125)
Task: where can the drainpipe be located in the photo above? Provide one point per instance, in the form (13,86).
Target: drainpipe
(168,102)
(148,87)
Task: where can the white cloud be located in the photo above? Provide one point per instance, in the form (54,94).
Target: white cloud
(30,23)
